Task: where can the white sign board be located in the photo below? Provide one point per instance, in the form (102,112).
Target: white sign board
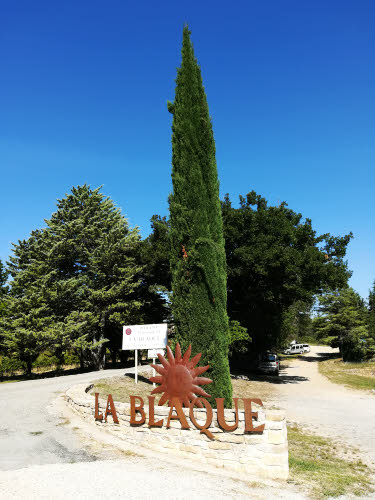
(144,337)
(153,353)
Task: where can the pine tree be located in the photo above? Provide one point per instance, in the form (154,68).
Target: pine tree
(3,302)
(74,282)
(371,312)
(343,316)
(27,332)
(197,244)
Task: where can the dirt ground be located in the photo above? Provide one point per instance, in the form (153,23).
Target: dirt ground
(328,409)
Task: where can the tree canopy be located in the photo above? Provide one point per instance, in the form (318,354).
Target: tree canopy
(74,281)
(343,316)
(275,259)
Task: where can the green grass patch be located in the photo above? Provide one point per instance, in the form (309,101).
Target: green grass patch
(354,375)
(316,466)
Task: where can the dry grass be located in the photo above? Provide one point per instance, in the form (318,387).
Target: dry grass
(123,387)
(354,375)
(315,466)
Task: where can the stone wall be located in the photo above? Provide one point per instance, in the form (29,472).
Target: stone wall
(257,455)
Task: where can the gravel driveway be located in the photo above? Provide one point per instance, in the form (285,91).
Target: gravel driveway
(326,408)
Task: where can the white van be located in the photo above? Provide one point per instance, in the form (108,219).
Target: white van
(295,349)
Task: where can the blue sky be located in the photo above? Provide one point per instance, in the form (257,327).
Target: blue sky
(291,90)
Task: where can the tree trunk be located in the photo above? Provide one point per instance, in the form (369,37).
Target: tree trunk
(29,367)
(81,360)
(114,357)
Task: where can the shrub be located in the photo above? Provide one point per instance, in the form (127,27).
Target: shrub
(10,366)
(239,338)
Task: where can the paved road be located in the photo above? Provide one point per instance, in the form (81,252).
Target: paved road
(29,434)
(329,409)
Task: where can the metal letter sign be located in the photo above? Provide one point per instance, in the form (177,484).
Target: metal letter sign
(179,383)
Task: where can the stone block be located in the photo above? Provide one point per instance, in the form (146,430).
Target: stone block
(232,465)
(253,460)
(217,445)
(276,437)
(161,411)
(275,415)
(141,428)
(216,430)
(174,424)
(189,448)
(170,445)
(172,432)
(278,425)
(271,459)
(276,472)
(158,430)
(201,443)
(215,462)
(253,439)
(228,437)
(273,448)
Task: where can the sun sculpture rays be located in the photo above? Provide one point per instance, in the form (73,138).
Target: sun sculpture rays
(179,378)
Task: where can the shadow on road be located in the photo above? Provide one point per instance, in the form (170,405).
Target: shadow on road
(60,372)
(283,378)
(320,356)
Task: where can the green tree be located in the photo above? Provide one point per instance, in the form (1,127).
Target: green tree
(75,282)
(371,312)
(275,259)
(297,322)
(239,339)
(155,277)
(4,289)
(343,315)
(27,331)
(197,246)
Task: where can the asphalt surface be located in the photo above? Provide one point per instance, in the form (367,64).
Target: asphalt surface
(29,434)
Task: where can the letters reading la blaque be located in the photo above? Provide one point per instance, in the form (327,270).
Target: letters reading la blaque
(138,414)
(179,380)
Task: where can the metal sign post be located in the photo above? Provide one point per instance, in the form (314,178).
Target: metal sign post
(136,366)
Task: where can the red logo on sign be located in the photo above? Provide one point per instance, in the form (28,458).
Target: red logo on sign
(128,331)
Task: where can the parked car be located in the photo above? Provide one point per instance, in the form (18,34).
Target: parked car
(306,347)
(269,363)
(295,349)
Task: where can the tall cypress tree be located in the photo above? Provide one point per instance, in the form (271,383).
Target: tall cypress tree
(197,244)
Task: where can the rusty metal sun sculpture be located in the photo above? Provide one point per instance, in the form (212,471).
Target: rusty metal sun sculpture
(179,378)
